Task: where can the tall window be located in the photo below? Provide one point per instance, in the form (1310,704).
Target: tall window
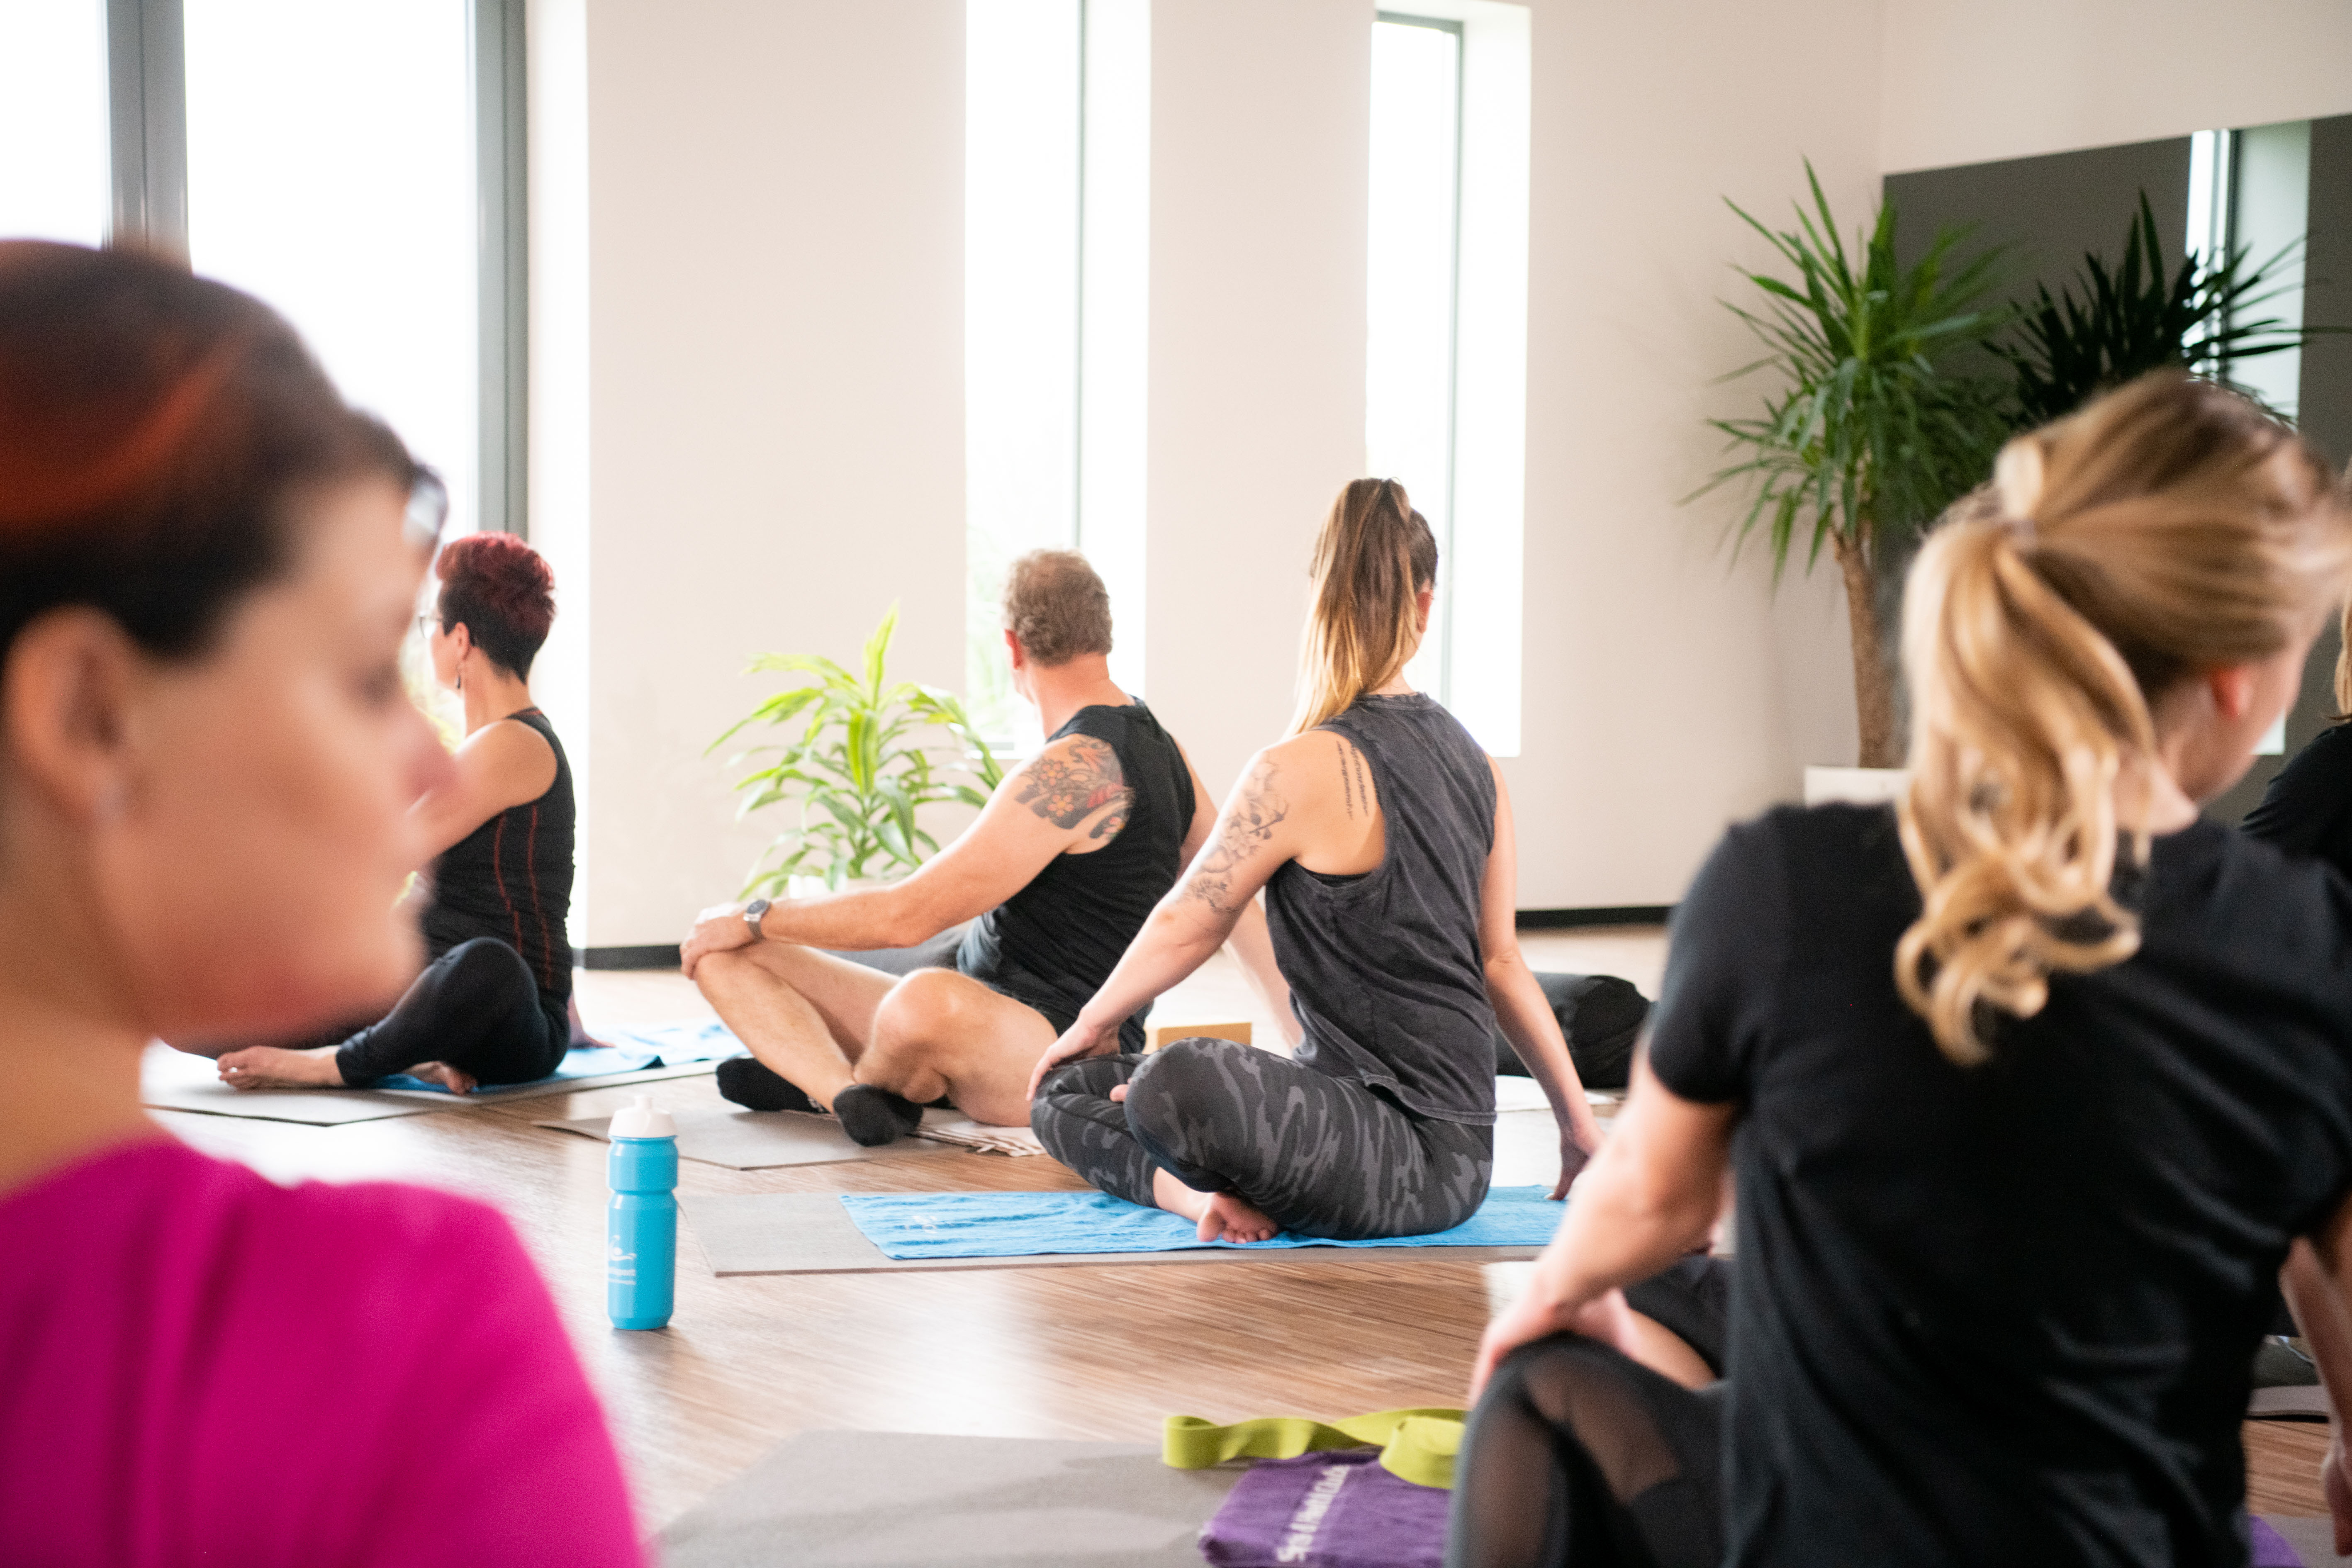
(1056,116)
(1445,366)
(334,159)
(2250,192)
(1022,78)
(53,128)
(330,171)
(1415,237)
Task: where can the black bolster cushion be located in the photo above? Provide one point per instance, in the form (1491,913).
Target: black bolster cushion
(1601,1017)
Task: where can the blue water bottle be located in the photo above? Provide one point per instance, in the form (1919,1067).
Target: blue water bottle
(641,1226)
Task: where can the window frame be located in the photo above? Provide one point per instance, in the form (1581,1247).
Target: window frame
(147,117)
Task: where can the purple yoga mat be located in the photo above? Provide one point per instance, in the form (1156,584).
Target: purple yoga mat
(1327,1511)
(2270,1548)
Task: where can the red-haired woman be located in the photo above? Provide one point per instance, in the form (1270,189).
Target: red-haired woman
(207,765)
(493,1005)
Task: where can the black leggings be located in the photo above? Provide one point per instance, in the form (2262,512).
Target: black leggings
(1578,1457)
(475,1007)
(1320,1156)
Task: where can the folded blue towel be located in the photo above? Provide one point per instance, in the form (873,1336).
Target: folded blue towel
(1025,1225)
(676,1044)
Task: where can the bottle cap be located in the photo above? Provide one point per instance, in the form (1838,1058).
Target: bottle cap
(644,1119)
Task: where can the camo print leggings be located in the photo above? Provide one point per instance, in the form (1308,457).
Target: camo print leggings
(1320,1155)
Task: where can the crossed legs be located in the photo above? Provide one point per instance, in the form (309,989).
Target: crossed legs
(824,1024)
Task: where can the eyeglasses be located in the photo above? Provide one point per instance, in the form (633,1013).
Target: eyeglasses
(426,622)
(428,509)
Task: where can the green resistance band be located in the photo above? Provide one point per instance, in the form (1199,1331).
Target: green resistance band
(1417,1445)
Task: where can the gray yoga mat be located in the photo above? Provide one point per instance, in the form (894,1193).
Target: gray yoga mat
(175,1080)
(761,1140)
(2299,1402)
(811,1233)
(2313,1540)
(889,1500)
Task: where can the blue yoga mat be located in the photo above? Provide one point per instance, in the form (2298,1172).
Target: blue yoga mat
(634,1050)
(1026,1225)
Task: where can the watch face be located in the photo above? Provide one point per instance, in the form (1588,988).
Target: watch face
(755,908)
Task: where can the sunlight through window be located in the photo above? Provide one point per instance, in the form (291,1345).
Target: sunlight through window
(331,163)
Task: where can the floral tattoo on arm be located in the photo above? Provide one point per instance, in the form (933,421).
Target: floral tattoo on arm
(1245,830)
(1067,783)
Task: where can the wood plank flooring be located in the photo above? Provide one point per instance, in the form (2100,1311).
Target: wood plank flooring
(1101,1352)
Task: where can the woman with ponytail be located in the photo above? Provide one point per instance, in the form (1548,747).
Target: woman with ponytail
(2029,1083)
(1380,836)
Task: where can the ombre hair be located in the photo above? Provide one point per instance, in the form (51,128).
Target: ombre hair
(1374,555)
(2170,527)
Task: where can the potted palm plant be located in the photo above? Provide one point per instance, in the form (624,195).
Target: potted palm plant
(2135,317)
(859,760)
(1866,436)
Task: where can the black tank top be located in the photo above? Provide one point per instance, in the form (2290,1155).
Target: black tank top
(511,878)
(1384,969)
(1057,940)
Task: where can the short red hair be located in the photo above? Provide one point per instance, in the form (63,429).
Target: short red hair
(502,592)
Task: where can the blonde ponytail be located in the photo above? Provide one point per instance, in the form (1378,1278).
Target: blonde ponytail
(2170,527)
(1375,554)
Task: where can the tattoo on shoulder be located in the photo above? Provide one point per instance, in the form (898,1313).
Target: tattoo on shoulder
(1249,823)
(1356,782)
(1065,785)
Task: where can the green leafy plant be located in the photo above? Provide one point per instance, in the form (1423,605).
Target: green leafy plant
(2134,318)
(861,760)
(1868,436)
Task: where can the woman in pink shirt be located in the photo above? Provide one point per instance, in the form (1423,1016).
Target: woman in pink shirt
(207,563)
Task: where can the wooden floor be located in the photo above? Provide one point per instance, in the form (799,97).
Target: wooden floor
(1100,1352)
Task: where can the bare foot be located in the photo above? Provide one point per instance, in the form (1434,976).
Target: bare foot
(1228,1217)
(273,1066)
(456,1081)
(1222,1217)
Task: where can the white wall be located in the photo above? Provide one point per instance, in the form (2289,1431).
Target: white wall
(775,428)
(1667,693)
(770,341)
(2015,78)
(1260,169)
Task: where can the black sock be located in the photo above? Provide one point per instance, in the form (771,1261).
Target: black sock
(872,1116)
(755,1086)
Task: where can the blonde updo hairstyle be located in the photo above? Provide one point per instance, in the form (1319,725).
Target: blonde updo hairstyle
(2169,528)
(1374,555)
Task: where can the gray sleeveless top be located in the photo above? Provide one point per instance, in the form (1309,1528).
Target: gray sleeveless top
(1384,969)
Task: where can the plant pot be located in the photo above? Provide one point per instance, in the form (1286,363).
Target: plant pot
(1855,786)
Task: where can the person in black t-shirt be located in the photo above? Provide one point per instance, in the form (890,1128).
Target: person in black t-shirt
(2307,810)
(1056,875)
(2029,1082)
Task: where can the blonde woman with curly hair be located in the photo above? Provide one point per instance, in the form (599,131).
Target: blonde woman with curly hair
(2029,1083)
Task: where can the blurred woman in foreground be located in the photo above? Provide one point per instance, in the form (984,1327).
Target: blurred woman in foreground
(207,564)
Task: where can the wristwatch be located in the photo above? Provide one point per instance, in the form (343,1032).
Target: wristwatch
(752,913)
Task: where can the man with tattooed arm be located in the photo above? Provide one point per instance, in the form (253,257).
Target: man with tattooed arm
(1061,869)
